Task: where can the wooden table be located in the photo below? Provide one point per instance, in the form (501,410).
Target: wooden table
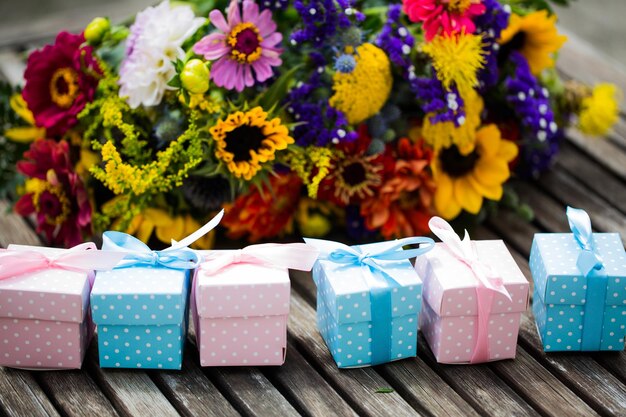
(590,174)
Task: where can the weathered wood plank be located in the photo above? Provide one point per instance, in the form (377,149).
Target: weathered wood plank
(75,394)
(131,391)
(250,392)
(591,382)
(191,392)
(413,379)
(545,393)
(14,228)
(604,152)
(592,175)
(614,362)
(357,386)
(306,389)
(20,395)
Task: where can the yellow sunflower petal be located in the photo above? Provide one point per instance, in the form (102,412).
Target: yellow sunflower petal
(508,150)
(491,171)
(145,229)
(19,106)
(24,134)
(445,204)
(488,139)
(467,196)
(174,230)
(492,192)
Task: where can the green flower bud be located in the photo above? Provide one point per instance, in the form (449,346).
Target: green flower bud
(96,29)
(195,76)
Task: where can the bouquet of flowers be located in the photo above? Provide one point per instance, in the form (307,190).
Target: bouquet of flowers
(291,114)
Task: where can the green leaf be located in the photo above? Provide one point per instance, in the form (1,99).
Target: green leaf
(384,390)
(278,90)
(175,82)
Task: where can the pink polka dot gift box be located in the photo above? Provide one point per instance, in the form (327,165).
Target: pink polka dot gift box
(45,321)
(368,300)
(474,295)
(240,303)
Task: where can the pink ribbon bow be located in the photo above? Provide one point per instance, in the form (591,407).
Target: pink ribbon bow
(81,258)
(489,282)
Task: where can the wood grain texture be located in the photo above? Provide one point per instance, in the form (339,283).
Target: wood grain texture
(306,389)
(13,228)
(545,393)
(20,395)
(74,393)
(250,392)
(191,392)
(131,391)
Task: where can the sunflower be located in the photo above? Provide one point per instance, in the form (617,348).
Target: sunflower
(535,36)
(246,140)
(463,180)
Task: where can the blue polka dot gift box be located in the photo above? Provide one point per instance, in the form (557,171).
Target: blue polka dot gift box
(579,300)
(474,295)
(141,306)
(45,321)
(368,300)
(240,303)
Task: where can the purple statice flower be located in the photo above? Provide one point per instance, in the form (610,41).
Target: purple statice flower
(396,40)
(490,24)
(273,5)
(447,105)
(323,19)
(531,103)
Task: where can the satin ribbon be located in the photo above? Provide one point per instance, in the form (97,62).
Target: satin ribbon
(177,256)
(591,266)
(378,281)
(489,282)
(298,256)
(81,258)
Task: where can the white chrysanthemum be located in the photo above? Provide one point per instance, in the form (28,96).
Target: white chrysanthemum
(154,42)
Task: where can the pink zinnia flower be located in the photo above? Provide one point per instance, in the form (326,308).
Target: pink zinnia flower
(243,44)
(444,16)
(60,80)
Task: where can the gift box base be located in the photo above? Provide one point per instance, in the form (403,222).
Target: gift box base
(44,344)
(152,347)
(560,327)
(350,344)
(452,339)
(242,341)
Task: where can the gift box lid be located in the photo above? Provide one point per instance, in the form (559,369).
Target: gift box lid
(141,295)
(347,292)
(449,284)
(242,290)
(557,277)
(50,294)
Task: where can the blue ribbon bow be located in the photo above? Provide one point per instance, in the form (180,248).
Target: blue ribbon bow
(177,256)
(591,266)
(381,283)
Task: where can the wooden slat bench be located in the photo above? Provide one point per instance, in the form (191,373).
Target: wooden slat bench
(588,173)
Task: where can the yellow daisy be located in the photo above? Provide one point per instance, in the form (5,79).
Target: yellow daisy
(246,140)
(535,36)
(360,94)
(464,180)
(600,110)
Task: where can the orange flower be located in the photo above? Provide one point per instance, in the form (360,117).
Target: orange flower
(402,205)
(264,214)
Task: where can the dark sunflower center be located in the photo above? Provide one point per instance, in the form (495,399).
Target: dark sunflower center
(242,140)
(456,164)
(247,41)
(354,174)
(64,87)
(515,44)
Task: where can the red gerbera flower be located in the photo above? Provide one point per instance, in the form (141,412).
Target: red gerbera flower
(54,193)
(60,80)
(401,207)
(267,214)
(444,16)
